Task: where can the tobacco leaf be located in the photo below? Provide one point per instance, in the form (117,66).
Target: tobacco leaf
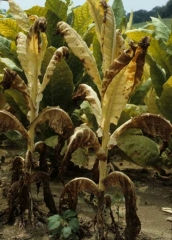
(87,93)
(69,195)
(152,124)
(133,225)
(10,122)
(57,119)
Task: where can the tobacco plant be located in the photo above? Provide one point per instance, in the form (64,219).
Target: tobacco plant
(31,47)
(107,71)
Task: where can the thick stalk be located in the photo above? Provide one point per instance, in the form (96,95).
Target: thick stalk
(103,164)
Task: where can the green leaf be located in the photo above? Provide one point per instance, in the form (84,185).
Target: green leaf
(80,157)
(10,64)
(140,93)
(58,7)
(15,137)
(140,149)
(74,224)
(54,223)
(18,99)
(161,29)
(69,214)
(66,232)
(54,218)
(119,12)
(157,75)
(52,141)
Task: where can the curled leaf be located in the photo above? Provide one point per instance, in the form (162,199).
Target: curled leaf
(10,122)
(57,119)
(83,137)
(81,50)
(19,15)
(133,225)
(12,80)
(59,54)
(69,195)
(87,93)
(152,124)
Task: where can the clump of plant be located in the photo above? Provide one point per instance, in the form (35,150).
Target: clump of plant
(64,226)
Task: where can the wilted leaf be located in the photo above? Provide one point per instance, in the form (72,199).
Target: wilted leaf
(86,92)
(57,119)
(81,50)
(59,54)
(133,225)
(152,124)
(19,15)
(69,195)
(10,122)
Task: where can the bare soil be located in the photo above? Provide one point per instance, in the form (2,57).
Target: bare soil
(152,194)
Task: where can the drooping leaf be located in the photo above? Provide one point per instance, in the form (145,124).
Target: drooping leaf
(59,90)
(133,225)
(12,80)
(120,88)
(152,124)
(59,54)
(69,195)
(57,119)
(81,50)
(87,93)
(82,137)
(108,36)
(81,19)
(10,122)
(165,99)
(142,150)
(19,15)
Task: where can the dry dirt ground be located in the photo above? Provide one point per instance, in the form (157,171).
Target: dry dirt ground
(152,195)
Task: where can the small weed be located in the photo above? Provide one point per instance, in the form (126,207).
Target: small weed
(64,226)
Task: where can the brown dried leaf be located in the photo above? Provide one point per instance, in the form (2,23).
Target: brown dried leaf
(69,195)
(10,122)
(83,137)
(12,80)
(87,93)
(57,119)
(152,124)
(133,225)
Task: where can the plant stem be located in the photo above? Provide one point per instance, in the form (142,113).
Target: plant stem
(103,164)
